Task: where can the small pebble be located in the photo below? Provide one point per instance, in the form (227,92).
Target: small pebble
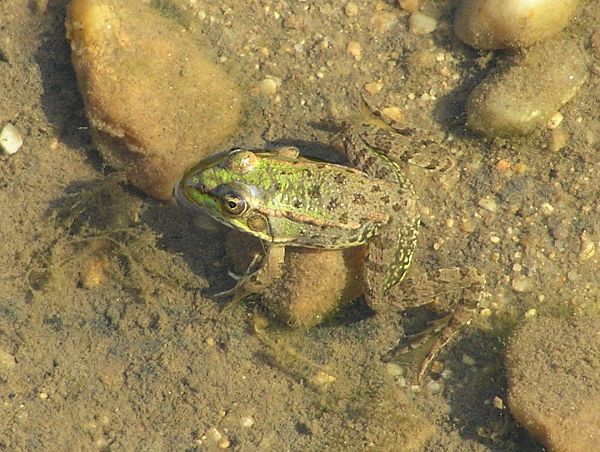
(10,139)
(522,283)
(224,443)
(468,360)
(351,9)
(354,49)
(494,239)
(434,387)
(503,165)
(498,403)
(373,87)
(420,24)
(247,422)
(7,361)
(394,370)
(547,209)
(488,203)
(409,6)
(393,113)
(587,247)
(267,86)
(468,225)
(530,313)
(557,140)
(555,120)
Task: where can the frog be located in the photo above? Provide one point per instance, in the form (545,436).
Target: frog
(286,199)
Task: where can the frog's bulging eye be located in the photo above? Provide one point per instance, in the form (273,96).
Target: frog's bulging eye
(233,204)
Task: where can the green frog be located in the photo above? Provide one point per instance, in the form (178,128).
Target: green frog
(286,199)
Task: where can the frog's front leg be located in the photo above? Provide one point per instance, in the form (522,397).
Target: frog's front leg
(255,281)
(455,293)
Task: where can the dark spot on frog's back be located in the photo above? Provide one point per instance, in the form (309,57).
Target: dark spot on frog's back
(360,199)
(339,178)
(333,204)
(375,188)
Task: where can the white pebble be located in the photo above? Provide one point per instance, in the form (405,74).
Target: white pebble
(7,361)
(10,139)
(247,422)
(351,9)
(555,121)
(420,24)
(267,86)
(488,204)
(434,387)
(394,370)
(522,283)
(468,360)
(354,49)
(547,208)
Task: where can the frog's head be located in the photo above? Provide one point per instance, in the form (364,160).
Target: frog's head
(225,188)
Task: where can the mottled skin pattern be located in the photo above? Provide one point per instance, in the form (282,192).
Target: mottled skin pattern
(290,200)
(391,247)
(285,199)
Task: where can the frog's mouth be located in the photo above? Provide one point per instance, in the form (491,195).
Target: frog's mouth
(182,193)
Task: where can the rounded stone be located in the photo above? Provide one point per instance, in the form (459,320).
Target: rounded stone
(509,24)
(528,90)
(554,381)
(156,103)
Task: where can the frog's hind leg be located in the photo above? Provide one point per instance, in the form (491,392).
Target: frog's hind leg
(454,291)
(390,254)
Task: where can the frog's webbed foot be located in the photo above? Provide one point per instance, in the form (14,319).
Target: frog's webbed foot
(456,291)
(261,273)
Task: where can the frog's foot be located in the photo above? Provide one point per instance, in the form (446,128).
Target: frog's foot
(456,291)
(261,273)
(424,346)
(242,281)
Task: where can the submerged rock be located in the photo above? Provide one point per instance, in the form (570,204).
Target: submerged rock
(554,381)
(155,102)
(315,283)
(509,24)
(529,91)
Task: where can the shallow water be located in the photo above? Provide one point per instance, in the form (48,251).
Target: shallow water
(146,361)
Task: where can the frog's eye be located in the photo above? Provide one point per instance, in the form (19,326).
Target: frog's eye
(233,204)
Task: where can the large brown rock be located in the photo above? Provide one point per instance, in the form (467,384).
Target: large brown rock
(155,101)
(554,381)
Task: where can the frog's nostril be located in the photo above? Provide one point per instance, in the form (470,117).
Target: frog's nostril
(200,187)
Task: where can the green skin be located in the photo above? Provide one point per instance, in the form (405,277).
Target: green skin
(285,199)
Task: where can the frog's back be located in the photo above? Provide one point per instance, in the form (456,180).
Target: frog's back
(323,205)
